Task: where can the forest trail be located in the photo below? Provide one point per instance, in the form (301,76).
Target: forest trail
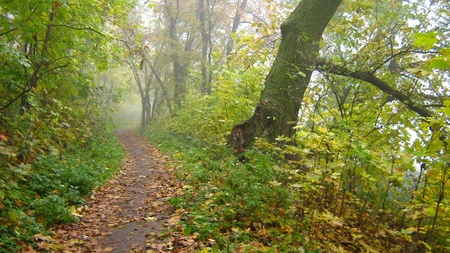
(130,212)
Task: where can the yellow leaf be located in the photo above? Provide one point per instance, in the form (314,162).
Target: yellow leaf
(74,212)
(287,229)
(108,249)
(3,138)
(274,183)
(427,245)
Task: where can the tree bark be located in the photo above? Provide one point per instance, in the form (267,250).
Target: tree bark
(165,94)
(180,66)
(204,17)
(236,21)
(286,83)
(138,80)
(147,99)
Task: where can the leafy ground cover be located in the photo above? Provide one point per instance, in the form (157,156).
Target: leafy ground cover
(207,200)
(267,205)
(46,191)
(130,212)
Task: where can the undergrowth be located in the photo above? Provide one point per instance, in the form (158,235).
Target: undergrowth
(47,190)
(239,206)
(266,204)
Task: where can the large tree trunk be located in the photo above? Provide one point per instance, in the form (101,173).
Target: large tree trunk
(286,83)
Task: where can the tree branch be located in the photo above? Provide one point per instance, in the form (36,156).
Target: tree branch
(25,21)
(166,96)
(48,33)
(82,29)
(369,77)
(10,102)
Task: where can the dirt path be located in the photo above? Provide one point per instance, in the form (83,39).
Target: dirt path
(130,213)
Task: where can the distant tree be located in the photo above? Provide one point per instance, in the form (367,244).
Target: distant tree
(179,46)
(135,58)
(205,11)
(241,5)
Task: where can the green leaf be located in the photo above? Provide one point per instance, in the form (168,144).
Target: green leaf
(427,245)
(301,73)
(187,230)
(430,211)
(439,63)
(408,231)
(14,216)
(447,102)
(426,40)
(445,52)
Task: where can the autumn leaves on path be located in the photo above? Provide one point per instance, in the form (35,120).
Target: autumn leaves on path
(130,213)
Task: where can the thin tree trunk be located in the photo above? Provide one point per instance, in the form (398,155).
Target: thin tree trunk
(34,78)
(163,89)
(148,105)
(236,21)
(137,78)
(288,79)
(179,67)
(205,30)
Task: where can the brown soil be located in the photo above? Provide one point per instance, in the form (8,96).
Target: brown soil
(130,213)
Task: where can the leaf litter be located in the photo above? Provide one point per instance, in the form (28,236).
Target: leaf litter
(129,213)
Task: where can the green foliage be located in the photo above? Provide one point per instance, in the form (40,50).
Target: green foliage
(339,183)
(364,169)
(19,227)
(242,206)
(235,92)
(57,66)
(53,145)
(47,190)
(52,209)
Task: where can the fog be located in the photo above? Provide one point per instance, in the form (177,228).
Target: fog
(127,114)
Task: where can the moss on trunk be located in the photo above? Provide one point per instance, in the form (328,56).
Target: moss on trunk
(288,79)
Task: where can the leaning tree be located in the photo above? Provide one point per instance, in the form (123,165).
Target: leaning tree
(286,83)
(276,114)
